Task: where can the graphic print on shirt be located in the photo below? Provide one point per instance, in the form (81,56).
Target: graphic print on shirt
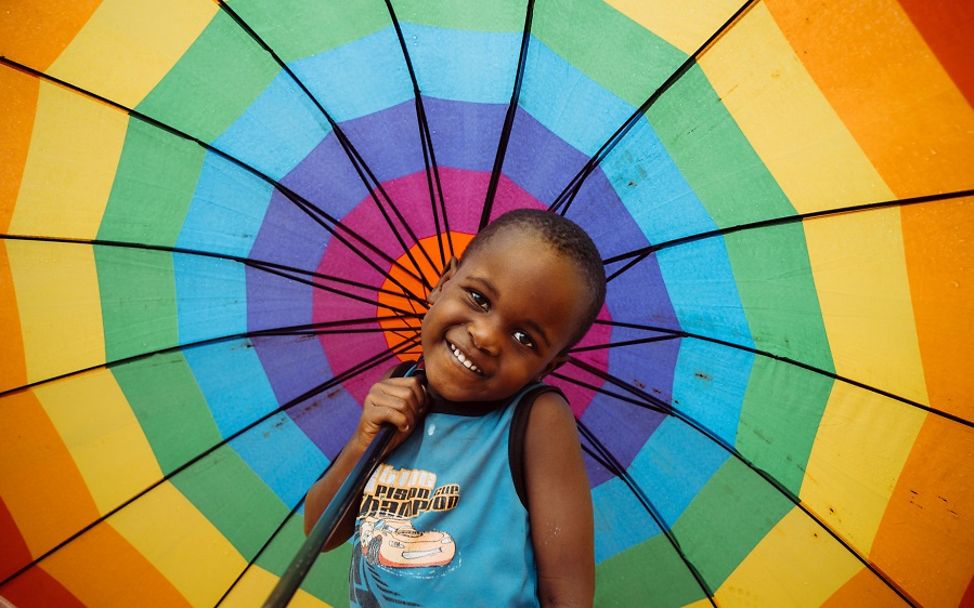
(393,497)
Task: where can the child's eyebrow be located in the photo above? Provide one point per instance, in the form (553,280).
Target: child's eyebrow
(538,330)
(488,286)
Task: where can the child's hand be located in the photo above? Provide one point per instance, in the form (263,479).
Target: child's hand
(399,401)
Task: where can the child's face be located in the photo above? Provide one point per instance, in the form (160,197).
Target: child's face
(509,310)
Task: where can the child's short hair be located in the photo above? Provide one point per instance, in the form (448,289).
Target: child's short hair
(567,238)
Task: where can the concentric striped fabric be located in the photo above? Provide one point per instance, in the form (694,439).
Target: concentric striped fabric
(218,221)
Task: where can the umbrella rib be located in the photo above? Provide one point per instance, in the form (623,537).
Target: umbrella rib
(325,328)
(372,361)
(251,262)
(634,342)
(430,157)
(357,251)
(789,361)
(604,391)
(189,345)
(608,458)
(399,331)
(713,437)
(495,173)
(269,269)
(319,216)
(564,199)
(637,255)
(410,331)
(369,180)
(437,202)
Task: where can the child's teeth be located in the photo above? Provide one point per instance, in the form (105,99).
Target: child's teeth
(466,362)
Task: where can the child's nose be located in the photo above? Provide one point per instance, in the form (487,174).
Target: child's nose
(484,336)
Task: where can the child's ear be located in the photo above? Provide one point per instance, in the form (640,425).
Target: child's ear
(554,364)
(445,276)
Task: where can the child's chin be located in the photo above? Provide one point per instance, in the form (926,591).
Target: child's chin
(445,384)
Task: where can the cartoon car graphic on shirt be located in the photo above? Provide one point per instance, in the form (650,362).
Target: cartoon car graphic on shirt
(395,543)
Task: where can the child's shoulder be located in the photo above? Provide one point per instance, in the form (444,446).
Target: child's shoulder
(550,432)
(551,412)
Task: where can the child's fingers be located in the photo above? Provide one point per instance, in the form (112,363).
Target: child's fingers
(396,401)
(392,409)
(410,390)
(380,414)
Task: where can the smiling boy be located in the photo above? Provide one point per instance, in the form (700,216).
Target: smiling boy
(487,502)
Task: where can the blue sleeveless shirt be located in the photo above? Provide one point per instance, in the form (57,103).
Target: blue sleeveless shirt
(441,523)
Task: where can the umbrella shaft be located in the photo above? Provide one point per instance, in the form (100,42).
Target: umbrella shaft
(346,495)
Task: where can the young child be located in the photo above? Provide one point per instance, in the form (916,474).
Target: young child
(483,499)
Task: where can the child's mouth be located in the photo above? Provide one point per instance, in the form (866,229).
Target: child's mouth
(459,356)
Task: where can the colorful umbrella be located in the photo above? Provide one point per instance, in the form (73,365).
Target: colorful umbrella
(219,219)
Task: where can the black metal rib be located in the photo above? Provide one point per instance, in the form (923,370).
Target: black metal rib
(399,331)
(604,391)
(328,384)
(282,270)
(770,479)
(582,349)
(330,224)
(495,173)
(609,461)
(789,361)
(437,203)
(335,325)
(369,180)
(564,200)
(638,255)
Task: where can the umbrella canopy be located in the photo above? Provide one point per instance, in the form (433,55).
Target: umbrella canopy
(219,221)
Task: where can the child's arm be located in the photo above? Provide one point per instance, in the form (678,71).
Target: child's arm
(398,401)
(559,505)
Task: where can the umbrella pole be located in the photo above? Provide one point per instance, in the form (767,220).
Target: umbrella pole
(350,489)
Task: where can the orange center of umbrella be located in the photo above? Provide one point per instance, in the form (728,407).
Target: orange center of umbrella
(403,292)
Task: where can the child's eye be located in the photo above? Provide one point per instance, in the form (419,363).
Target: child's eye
(479,300)
(524,338)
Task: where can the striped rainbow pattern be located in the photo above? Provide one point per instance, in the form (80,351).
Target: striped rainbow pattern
(192,248)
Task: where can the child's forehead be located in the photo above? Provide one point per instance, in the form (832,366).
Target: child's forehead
(508,249)
(511,239)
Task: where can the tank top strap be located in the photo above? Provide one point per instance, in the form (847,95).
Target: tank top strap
(404,369)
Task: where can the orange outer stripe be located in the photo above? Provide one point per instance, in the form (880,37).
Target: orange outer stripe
(947,28)
(35,32)
(888,87)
